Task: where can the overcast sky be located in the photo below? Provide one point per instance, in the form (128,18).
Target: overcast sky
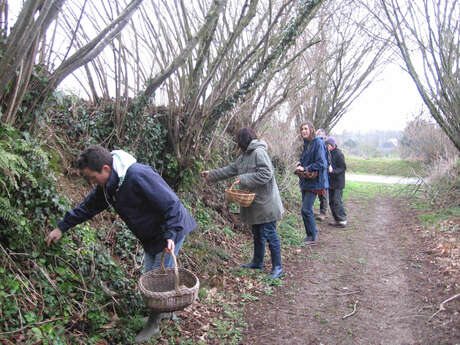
(389,103)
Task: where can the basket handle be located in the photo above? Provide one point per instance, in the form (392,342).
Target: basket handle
(234,183)
(176,270)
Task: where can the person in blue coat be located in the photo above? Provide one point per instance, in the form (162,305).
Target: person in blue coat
(145,202)
(313,177)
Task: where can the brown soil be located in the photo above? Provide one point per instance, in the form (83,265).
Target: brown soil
(374,282)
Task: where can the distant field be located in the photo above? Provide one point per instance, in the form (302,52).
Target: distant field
(382,166)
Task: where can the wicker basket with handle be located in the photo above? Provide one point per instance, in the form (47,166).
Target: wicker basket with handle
(242,197)
(169,289)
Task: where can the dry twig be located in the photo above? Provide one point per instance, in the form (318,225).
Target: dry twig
(441,306)
(355,310)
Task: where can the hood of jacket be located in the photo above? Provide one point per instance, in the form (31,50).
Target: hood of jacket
(121,162)
(256,143)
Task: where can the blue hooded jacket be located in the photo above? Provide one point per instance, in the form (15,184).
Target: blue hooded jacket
(145,202)
(314,158)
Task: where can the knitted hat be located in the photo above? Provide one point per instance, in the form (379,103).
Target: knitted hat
(331,141)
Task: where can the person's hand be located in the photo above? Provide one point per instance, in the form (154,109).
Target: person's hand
(53,236)
(237,181)
(205,174)
(170,246)
(299,168)
(330,168)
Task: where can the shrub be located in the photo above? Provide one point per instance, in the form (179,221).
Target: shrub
(52,293)
(425,140)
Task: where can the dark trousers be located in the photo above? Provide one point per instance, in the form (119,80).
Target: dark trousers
(308,199)
(266,232)
(336,205)
(322,203)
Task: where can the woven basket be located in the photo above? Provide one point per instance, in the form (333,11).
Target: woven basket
(242,197)
(169,289)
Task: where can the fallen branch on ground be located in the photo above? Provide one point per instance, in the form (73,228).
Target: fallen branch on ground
(332,294)
(353,312)
(441,306)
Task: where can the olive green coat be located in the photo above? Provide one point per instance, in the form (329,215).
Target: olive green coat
(256,173)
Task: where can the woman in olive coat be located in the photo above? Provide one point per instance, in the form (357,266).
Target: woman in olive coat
(255,173)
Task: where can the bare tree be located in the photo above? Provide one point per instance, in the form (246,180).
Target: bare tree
(248,52)
(331,75)
(20,52)
(427,36)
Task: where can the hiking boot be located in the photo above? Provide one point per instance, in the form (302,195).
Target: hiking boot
(252,265)
(151,329)
(339,224)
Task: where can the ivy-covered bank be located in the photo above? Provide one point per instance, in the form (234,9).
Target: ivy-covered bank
(57,293)
(83,289)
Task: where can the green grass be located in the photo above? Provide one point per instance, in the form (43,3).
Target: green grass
(382,166)
(366,190)
(437,216)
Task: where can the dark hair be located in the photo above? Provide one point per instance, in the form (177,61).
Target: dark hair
(311,128)
(244,137)
(94,158)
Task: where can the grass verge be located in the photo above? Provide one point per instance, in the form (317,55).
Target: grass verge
(382,166)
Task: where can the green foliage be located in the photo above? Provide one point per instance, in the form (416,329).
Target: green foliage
(21,164)
(230,329)
(434,217)
(150,137)
(141,132)
(290,230)
(59,282)
(382,166)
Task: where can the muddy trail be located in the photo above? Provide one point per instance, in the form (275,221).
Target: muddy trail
(370,283)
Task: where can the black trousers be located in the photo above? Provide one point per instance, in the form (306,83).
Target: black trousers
(336,205)
(322,203)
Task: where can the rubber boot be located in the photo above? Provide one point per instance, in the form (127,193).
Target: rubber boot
(151,328)
(259,252)
(252,265)
(277,270)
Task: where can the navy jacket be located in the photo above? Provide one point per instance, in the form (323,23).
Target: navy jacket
(337,177)
(314,158)
(145,202)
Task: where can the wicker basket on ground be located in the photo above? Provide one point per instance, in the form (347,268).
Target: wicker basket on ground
(169,289)
(242,197)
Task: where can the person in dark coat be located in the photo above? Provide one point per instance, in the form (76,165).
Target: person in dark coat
(313,177)
(337,183)
(145,202)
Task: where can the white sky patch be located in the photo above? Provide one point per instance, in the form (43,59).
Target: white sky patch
(389,103)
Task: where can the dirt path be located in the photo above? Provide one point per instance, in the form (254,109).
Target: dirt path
(375,265)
